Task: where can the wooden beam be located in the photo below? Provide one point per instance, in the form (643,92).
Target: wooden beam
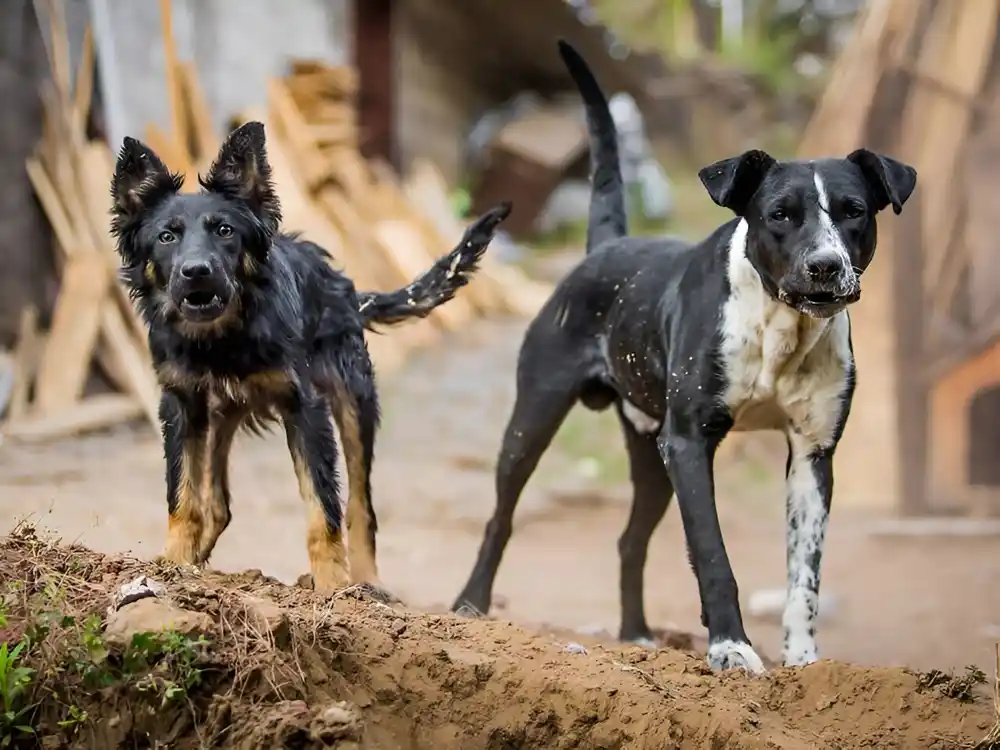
(912,412)
(94,413)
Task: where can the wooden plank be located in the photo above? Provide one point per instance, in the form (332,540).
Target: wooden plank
(178,114)
(969,31)
(94,413)
(127,353)
(286,117)
(55,211)
(205,140)
(26,357)
(83,92)
(66,360)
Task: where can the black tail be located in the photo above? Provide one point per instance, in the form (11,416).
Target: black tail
(440,282)
(607,199)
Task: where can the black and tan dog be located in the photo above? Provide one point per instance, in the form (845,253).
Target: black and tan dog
(249,326)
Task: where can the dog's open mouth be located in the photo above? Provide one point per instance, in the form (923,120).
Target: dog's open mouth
(202,305)
(821,299)
(819,303)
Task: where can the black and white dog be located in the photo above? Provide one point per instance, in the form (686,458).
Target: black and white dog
(746,330)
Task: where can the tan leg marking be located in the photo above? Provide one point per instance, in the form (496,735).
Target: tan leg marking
(185,526)
(327,555)
(359,543)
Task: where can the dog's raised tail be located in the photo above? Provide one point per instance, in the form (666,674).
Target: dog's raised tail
(439,283)
(607,219)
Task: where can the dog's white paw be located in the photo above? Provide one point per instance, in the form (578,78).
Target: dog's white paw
(734,655)
(799,652)
(800,647)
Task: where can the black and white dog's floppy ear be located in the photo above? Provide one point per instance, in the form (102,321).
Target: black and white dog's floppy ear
(141,180)
(241,170)
(891,181)
(732,182)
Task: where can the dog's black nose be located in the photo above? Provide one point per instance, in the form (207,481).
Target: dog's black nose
(823,267)
(195,270)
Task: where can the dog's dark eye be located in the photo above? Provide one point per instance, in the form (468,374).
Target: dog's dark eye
(224,230)
(778,214)
(167,237)
(854,210)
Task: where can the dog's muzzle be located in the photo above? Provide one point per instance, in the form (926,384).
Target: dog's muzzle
(200,295)
(822,299)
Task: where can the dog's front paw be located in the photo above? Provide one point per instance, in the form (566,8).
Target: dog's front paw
(729,654)
(800,654)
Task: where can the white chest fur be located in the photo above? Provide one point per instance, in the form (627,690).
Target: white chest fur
(783,368)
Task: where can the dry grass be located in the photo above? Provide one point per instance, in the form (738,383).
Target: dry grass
(992,739)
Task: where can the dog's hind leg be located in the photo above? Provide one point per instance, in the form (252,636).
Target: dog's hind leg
(309,429)
(543,400)
(185,423)
(651,494)
(357,420)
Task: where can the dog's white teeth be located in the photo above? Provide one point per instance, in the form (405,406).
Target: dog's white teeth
(216,299)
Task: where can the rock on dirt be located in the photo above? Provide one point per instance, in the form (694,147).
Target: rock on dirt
(153,615)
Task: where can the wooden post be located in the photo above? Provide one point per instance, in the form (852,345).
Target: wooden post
(375,60)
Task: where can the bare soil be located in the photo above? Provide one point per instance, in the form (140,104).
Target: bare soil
(277,666)
(445,682)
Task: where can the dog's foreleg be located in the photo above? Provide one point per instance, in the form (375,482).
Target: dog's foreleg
(309,429)
(184,419)
(689,454)
(810,490)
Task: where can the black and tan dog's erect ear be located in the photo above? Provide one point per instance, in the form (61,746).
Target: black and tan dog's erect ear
(732,182)
(891,181)
(241,170)
(141,180)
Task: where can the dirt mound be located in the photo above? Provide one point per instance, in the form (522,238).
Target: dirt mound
(191,660)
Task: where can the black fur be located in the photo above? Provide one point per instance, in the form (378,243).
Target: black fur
(248,325)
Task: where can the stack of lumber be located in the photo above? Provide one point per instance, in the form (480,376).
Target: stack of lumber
(379,231)
(388,232)
(93,320)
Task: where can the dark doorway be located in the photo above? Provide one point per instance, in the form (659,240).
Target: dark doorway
(984,438)
(375,61)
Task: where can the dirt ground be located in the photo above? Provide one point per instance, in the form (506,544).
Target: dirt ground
(243,661)
(918,602)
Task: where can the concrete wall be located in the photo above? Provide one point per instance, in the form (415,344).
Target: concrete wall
(235,44)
